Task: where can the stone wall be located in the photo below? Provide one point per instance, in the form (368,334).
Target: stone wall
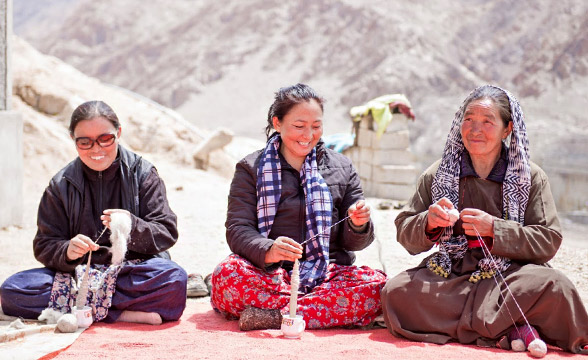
(385,164)
(569,188)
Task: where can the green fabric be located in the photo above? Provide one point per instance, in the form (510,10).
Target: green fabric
(380,109)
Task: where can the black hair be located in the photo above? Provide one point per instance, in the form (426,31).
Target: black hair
(286,98)
(497,95)
(92,109)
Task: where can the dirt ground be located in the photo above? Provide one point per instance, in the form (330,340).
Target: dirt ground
(199,198)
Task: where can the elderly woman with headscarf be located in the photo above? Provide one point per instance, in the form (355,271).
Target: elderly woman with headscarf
(507,225)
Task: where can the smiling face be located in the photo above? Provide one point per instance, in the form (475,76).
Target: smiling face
(301,129)
(482,130)
(97,158)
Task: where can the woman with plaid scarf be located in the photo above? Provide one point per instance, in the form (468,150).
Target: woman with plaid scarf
(284,205)
(507,225)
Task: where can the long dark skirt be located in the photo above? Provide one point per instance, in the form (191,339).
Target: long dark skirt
(154,285)
(422,306)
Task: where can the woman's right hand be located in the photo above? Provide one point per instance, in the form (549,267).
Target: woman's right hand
(438,216)
(78,246)
(283,248)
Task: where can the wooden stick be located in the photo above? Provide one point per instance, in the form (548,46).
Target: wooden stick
(83,290)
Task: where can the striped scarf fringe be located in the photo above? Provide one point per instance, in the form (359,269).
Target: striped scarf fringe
(516,186)
(318,209)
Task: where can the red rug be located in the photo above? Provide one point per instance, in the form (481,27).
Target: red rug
(203,334)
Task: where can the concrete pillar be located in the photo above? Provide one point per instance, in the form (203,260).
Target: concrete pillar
(5,32)
(11,164)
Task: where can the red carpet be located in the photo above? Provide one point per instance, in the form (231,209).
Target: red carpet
(203,334)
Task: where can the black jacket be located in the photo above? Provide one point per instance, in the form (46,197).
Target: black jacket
(76,196)
(243,236)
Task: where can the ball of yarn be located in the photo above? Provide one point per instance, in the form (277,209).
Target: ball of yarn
(518,345)
(67,323)
(537,348)
(16,324)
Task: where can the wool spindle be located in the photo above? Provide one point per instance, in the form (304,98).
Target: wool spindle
(294,283)
(83,289)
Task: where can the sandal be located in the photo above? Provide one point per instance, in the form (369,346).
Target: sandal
(196,286)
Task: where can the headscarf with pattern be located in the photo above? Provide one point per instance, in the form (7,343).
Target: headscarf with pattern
(516,186)
(318,209)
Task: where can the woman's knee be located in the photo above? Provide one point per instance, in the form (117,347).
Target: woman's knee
(396,286)
(558,282)
(27,293)
(173,272)
(229,268)
(544,279)
(176,277)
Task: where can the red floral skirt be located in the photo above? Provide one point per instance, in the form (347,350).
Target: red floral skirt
(349,295)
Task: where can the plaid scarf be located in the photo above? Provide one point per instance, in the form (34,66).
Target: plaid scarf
(318,209)
(516,186)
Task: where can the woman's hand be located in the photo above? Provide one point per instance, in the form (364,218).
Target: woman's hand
(79,246)
(283,248)
(359,212)
(438,215)
(482,221)
(106,217)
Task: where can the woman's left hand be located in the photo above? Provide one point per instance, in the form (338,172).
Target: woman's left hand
(482,221)
(106,217)
(359,212)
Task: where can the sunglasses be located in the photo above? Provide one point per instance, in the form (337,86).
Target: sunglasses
(104,140)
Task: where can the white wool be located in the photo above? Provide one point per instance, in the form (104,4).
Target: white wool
(67,323)
(120,229)
(50,315)
(453,215)
(518,345)
(537,348)
(17,324)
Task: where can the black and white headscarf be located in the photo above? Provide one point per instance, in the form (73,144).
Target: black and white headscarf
(318,209)
(516,186)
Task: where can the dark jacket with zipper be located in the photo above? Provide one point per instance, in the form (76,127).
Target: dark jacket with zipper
(76,196)
(243,236)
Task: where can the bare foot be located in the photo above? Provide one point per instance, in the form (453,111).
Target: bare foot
(141,317)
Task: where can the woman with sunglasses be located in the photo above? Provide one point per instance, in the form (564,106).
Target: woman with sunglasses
(73,219)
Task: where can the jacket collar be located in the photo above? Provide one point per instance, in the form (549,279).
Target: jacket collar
(74,172)
(497,173)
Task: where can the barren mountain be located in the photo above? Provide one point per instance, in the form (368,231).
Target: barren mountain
(218,63)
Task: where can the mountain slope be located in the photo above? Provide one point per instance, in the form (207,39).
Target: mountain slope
(218,63)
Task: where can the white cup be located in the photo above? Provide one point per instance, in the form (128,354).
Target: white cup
(292,327)
(84,316)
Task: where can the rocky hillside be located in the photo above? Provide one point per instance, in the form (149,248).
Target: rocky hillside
(218,63)
(46,91)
